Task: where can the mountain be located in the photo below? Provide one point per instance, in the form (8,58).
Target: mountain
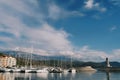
(34,56)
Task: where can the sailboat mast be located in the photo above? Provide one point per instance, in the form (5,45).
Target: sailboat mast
(31,57)
(71,62)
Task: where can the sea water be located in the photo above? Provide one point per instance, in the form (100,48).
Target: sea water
(61,76)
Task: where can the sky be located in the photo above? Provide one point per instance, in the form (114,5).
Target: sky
(87,30)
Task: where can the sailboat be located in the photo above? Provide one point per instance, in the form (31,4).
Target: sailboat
(15,70)
(72,70)
(30,69)
(43,70)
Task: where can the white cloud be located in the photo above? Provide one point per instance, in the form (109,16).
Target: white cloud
(6,39)
(17,5)
(103,9)
(48,36)
(113,28)
(115,56)
(75,13)
(87,54)
(89,4)
(43,38)
(54,11)
(92,5)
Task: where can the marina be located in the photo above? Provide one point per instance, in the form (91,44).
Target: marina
(53,69)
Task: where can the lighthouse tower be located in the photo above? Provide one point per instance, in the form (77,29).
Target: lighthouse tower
(107,63)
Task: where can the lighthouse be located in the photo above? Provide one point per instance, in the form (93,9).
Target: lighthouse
(107,63)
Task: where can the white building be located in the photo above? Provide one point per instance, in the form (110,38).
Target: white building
(7,61)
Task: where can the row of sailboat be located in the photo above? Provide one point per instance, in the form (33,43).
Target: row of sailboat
(41,70)
(35,70)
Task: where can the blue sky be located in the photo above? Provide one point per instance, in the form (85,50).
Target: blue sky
(85,29)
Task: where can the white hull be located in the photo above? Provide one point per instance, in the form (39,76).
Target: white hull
(65,71)
(15,70)
(44,70)
(72,70)
(5,70)
(30,70)
(41,71)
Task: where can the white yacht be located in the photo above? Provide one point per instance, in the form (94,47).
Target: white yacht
(5,70)
(29,70)
(44,70)
(65,71)
(15,70)
(72,70)
(56,70)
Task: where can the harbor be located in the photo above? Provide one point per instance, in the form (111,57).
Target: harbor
(59,39)
(9,64)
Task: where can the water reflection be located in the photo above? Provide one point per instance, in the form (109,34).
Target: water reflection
(42,75)
(7,76)
(60,76)
(108,75)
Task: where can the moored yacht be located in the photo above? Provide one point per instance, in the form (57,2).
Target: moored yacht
(44,70)
(72,70)
(15,70)
(56,70)
(5,70)
(28,70)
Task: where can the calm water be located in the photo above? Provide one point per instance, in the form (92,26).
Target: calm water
(61,76)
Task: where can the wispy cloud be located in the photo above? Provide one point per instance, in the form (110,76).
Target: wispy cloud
(76,13)
(115,2)
(54,11)
(113,28)
(17,5)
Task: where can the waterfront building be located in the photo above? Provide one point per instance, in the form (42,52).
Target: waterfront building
(7,61)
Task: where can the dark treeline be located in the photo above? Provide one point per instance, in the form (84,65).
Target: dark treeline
(2,54)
